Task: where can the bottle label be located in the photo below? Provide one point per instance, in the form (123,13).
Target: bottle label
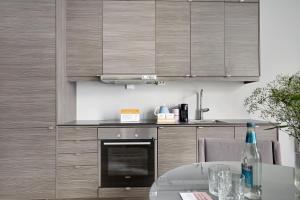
(247,171)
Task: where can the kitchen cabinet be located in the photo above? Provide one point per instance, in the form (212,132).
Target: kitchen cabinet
(242,39)
(83,37)
(27,99)
(207,39)
(76,162)
(176,147)
(215,132)
(27,63)
(27,163)
(172,38)
(128,37)
(261,133)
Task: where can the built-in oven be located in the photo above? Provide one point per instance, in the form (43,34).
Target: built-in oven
(127,157)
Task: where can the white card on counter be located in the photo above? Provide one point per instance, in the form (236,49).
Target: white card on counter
(195,196)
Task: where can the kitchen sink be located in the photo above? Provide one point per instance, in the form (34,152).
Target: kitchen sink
(205,121)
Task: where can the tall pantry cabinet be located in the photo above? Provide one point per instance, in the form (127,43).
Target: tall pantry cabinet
(27,99)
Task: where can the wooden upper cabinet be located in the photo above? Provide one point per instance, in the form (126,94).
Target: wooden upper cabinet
(27,35)
(27,63)
(172,38)
(128,37)
(27,163)
(242,39)
(207,39)
(83,37)
(176,147)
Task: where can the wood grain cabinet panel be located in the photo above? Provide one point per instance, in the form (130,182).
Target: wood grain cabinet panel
(76,146)
(128,37)
(27,102)
(27,163)
(84,37)
(172,38)
(76,133)
(76,159)
(242,1)
(242,39)
(77,182)
(176,147)
(27,39)
(215,132)
(27,63)
(207,38)
(261,133)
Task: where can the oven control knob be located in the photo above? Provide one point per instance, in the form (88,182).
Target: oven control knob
(119,135)
(136,135)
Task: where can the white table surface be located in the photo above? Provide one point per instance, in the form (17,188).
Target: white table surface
(277,181)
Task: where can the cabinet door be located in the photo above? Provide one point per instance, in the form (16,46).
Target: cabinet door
(27,163)
(172,38)
(261,133)
(176,147)
(84,37)
(27,63)
(242,39)
(215,132)
(128,37)
(207,38)
(27,38)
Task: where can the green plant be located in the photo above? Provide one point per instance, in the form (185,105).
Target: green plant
(279,100)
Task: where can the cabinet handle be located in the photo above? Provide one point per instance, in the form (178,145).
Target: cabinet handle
(228,75)
(51,127)
(188,75)
(160,127)
(200,127)
(128,188)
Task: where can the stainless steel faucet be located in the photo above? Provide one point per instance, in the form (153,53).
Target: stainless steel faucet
(200,110)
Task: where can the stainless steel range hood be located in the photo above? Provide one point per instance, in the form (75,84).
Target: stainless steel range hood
(129,79)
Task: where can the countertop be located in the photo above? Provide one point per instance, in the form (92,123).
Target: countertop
(153,122)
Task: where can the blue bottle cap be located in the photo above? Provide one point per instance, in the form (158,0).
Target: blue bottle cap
(250,124)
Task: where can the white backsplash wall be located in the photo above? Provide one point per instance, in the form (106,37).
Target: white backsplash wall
(280,53)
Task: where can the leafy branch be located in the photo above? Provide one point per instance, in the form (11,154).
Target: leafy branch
(279,100)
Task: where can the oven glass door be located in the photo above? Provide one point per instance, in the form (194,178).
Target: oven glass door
(127,163)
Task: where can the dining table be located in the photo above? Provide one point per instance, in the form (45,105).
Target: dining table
(277,181)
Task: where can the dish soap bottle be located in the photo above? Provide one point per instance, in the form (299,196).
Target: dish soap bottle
(251,165)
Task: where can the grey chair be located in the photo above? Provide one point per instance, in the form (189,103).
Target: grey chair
(212,149)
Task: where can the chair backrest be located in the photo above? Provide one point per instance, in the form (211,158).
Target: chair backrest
(212,149)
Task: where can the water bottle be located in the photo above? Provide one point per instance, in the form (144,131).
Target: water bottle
(251,165)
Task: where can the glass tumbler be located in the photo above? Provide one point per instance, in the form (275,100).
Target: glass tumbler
(231,186)
(213,177)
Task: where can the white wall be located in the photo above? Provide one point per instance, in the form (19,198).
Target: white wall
(280,53)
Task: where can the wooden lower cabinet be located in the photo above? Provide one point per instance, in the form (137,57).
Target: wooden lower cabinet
(76,163)
(176,147)
(77,182)
(261,133)
(215,132)
(27,163)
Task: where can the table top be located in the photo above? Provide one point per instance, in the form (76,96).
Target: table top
(277,181)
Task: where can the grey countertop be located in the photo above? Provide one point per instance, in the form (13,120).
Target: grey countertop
(153,122)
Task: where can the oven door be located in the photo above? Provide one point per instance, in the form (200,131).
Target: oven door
(127,163)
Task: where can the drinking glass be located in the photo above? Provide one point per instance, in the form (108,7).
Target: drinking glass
(213,177)
(231,186)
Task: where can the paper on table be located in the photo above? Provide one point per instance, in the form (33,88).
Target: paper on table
(195,196)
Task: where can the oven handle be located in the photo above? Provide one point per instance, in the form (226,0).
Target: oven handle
(126,143)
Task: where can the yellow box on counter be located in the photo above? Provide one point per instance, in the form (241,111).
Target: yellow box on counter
(130,115)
